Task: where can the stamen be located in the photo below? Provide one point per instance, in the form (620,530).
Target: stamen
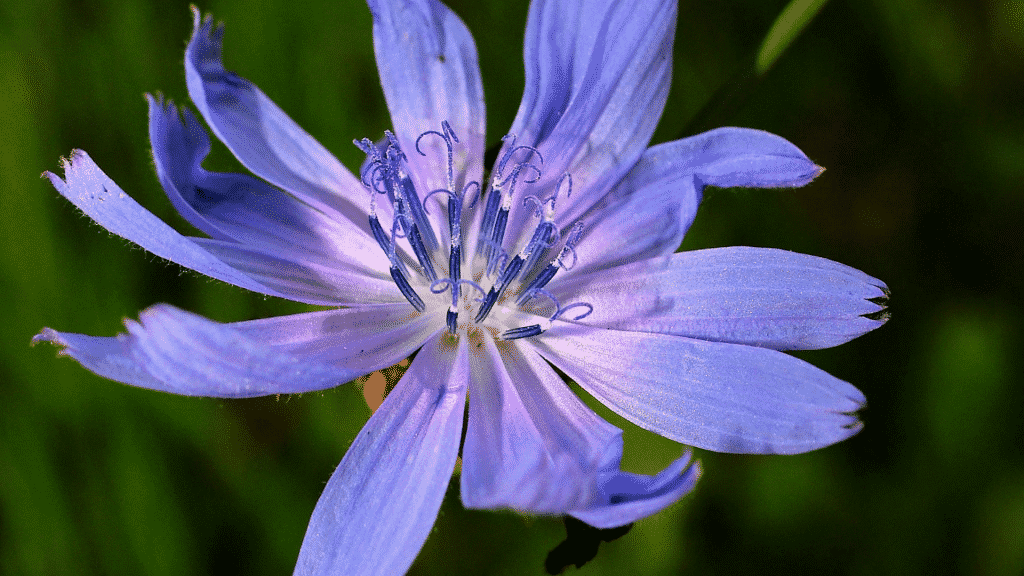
(499,196)
(544,237)
(379,235)
(522,332)
(507,275)
(560,311)
(416,241)
(385,171)
(476,197)
(448,135)
(452,319)
(406,289)
(570,245)
(485,307)
(538,283)
(498,262)
(412,201)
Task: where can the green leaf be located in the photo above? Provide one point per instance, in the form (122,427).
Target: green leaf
(790,23)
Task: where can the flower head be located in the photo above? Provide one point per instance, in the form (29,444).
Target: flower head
(563,255)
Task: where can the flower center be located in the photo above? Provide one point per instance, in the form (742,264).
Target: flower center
(502,292)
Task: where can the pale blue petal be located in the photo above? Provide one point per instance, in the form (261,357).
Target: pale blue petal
(305,281)
(263,138)
(711,395)
(597,75)
(649,211)
(241,208)
(179,352)
(644,216)
(533,446)
(630,497)
(757,296)
(95,194)
(728,157)
(428,68)
(361,339)
(380,504)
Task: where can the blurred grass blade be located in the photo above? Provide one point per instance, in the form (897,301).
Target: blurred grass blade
(730,97)
(790,23)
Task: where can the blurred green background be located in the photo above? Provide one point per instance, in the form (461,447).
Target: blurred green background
(915,107)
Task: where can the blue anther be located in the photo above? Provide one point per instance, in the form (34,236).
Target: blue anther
(455,263)
(452,320)
(544,237)
(537,283)
(485,307)
(522,332)
(406,289)
(509,273)
(379,234)
(497,235)
(498,261)
(490,213)
(415,208)
(507,276)
(416,241)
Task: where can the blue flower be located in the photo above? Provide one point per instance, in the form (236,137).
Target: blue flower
(564,255)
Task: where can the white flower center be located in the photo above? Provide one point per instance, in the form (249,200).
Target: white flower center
(488,288)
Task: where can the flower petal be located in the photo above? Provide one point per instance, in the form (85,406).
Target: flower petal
(429,71)
(95,194)
(533,446)
(304,281)
(757,296)
(263,138)
(729,157)
(597,75)
(711,395)
(645,215)
(241,208)
(380,503)
(360,339)
(649,211)
(630,497)
(179,352)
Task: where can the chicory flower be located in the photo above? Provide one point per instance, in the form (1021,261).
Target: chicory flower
(564,255)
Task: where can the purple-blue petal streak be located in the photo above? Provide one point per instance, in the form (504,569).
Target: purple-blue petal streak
(428,68)
(244,209)
(263,138)
(710,395)
(304,281)
(729,157)
(597,76)
(650,210)
(361,339)
(95,194)
(380,504)
(757,296)
(179,352)
(533,446)
(628,497)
